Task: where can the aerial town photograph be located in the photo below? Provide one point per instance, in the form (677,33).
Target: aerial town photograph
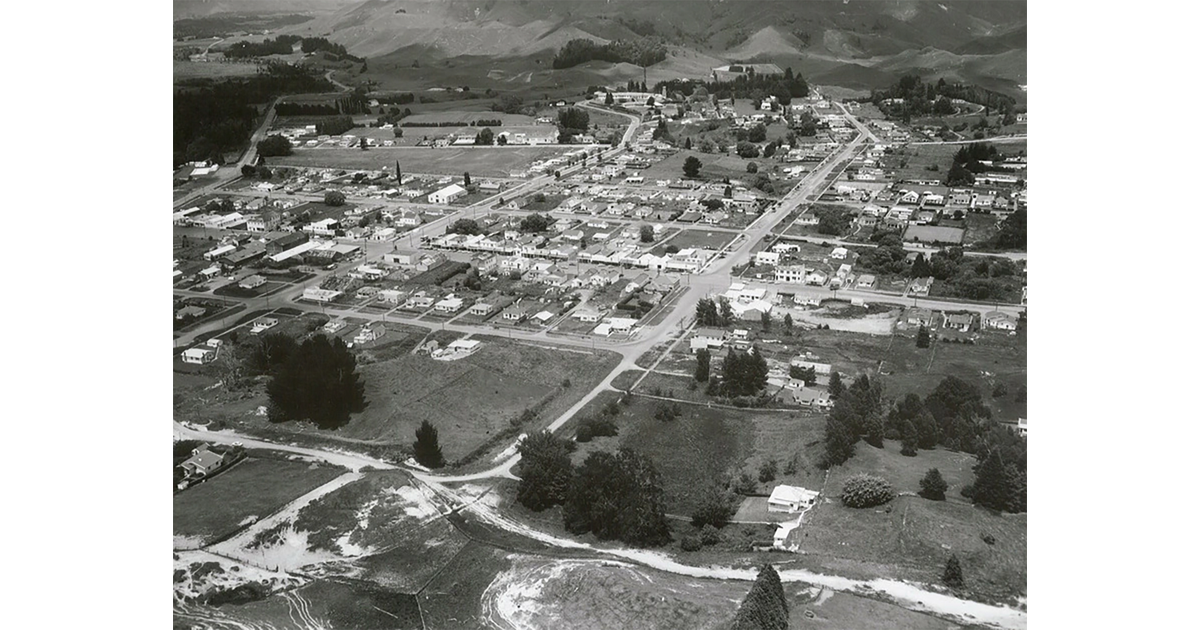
(598,314)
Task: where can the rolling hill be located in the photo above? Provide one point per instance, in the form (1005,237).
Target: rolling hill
(861,42)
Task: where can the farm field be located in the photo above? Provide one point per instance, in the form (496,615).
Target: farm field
(714,166)
(183,70)
(696,449)
(479,162)
(471,399)
(255,487)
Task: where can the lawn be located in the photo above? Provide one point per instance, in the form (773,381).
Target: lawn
(480,162)
(700,238)
(255,487)
(472,399)
(694,450)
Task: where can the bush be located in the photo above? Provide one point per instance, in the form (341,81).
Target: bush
(987,538)
(767,472)
(933,487)
(709,535)
(596,426)
(864,491)
(334,198)
(690,543)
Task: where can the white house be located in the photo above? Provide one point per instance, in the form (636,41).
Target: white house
(199,355)
(447,194)
(791,499)
(369,333)
(766,258)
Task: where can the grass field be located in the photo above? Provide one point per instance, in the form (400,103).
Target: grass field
(699,238)
(714,166)
(479,162)
(255,487)
(471,399)
(200,70)
(695,449)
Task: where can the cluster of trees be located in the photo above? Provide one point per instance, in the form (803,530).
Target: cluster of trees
(754,87)
(916,98)
(832,220)
(485,137)
(211,117)
(536,223)
(969,160)
(1011,235)
(718,314)
(315,44)
(974,278)
(464,226)
(281,45)
(641,52)
(856,414)
(765,606)
(1000,472)
(316,381)
(509,104)
(614,496)
(742,374)
(572,121)
(274,146)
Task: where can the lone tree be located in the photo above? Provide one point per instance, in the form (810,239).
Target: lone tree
(608,99)
(788,323)
(923,337)
(426,449)
(953,575)
(716,508)
(933,487)
(466,179)
(691,166)
(362,143)
(646,233)
(703,364)
(766,321)
(318,382)
(545,471)
(835,385)
(274,146)
(335,198)
(765,607)
(399,175)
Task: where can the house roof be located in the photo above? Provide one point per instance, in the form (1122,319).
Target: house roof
(791,494)
(204,459)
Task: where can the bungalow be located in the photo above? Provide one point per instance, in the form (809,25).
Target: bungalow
(369,333)
(999,321)
(334,325)
(818,368)
(865,281)
(418,302)
(816,398)
(516,312)
(203,462)
(707,338)
(251,282)
(918,317)
(390,296)
(485,306)
(920,286)
(766,258)
(263,323)
(190,311)
(816,277)
(957,321)
(791,499)
(839,253)
(317,294)
(586,314)
(621,324)
(449,304)
(199,355)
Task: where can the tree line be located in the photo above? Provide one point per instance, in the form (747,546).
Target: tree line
(755,87)
(642,52)
(952,416)
(614,496)
(211,117)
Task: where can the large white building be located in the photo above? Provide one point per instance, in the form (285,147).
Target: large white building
(447,194)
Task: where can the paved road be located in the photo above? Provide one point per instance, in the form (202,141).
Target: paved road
(993,139)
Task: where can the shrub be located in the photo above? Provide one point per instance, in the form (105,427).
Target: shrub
(690,543)
(709,535)
(987,538)
(864,491)
(595,426)
(766,472)
(933,487)
(953,576)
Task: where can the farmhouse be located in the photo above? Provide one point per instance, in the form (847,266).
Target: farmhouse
(203,462)
(808,397)
(791,499)
(199,355)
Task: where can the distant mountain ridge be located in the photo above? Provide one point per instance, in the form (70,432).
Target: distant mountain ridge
(865,39)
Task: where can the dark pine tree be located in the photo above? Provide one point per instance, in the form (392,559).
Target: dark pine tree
(426,449)
(952,576)
(703,364)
